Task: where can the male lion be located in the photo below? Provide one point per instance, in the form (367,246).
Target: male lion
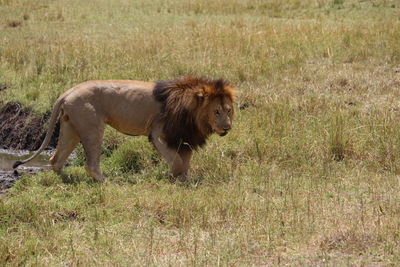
(177,116)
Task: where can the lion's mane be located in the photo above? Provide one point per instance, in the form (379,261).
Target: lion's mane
(184,109)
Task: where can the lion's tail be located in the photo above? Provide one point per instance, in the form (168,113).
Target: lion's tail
(46,141)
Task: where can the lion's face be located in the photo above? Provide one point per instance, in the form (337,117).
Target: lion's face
(193,108)
(220,114)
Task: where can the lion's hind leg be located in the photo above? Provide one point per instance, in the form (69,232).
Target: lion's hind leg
(92,146)
(67,141)
(89,125)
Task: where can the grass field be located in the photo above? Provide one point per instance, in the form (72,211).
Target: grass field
(308,176)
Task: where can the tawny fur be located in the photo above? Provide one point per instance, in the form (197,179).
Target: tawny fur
(178,116)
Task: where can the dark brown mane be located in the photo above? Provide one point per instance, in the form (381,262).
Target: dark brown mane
(185,119)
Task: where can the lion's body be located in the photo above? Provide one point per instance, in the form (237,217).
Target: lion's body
(177,116)
(127,106)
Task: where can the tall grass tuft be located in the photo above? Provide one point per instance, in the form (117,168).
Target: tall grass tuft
(338,141)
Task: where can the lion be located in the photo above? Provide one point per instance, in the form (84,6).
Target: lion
(177,116)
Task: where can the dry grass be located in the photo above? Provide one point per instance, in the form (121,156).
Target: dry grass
(308,176)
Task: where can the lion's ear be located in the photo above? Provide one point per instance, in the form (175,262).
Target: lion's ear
(202,92)
(207,90)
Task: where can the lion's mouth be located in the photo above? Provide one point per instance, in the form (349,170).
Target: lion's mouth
(224,133)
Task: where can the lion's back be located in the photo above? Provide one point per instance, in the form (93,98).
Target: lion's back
(128,106)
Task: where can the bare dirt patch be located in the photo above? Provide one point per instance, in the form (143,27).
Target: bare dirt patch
(7,179)
(20,128)
(14,23)
(348,242)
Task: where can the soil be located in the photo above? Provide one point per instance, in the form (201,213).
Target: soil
(7,179)
(20,128)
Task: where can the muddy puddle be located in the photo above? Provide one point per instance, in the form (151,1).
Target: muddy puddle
(7,158)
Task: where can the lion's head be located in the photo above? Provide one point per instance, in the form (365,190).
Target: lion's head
(193,108)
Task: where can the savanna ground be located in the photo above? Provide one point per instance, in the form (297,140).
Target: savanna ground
(308,176)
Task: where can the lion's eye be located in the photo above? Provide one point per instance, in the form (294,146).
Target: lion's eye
(229,110)
(217,113)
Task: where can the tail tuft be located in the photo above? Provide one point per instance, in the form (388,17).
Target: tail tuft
(16,164)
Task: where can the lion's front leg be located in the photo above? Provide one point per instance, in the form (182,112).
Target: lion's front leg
(186,156)
(179,167)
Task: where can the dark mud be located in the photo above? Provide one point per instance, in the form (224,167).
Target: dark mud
(20,128)
(21,131)
(7,179)
(8,176)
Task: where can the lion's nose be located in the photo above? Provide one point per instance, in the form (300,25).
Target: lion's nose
(227,128)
